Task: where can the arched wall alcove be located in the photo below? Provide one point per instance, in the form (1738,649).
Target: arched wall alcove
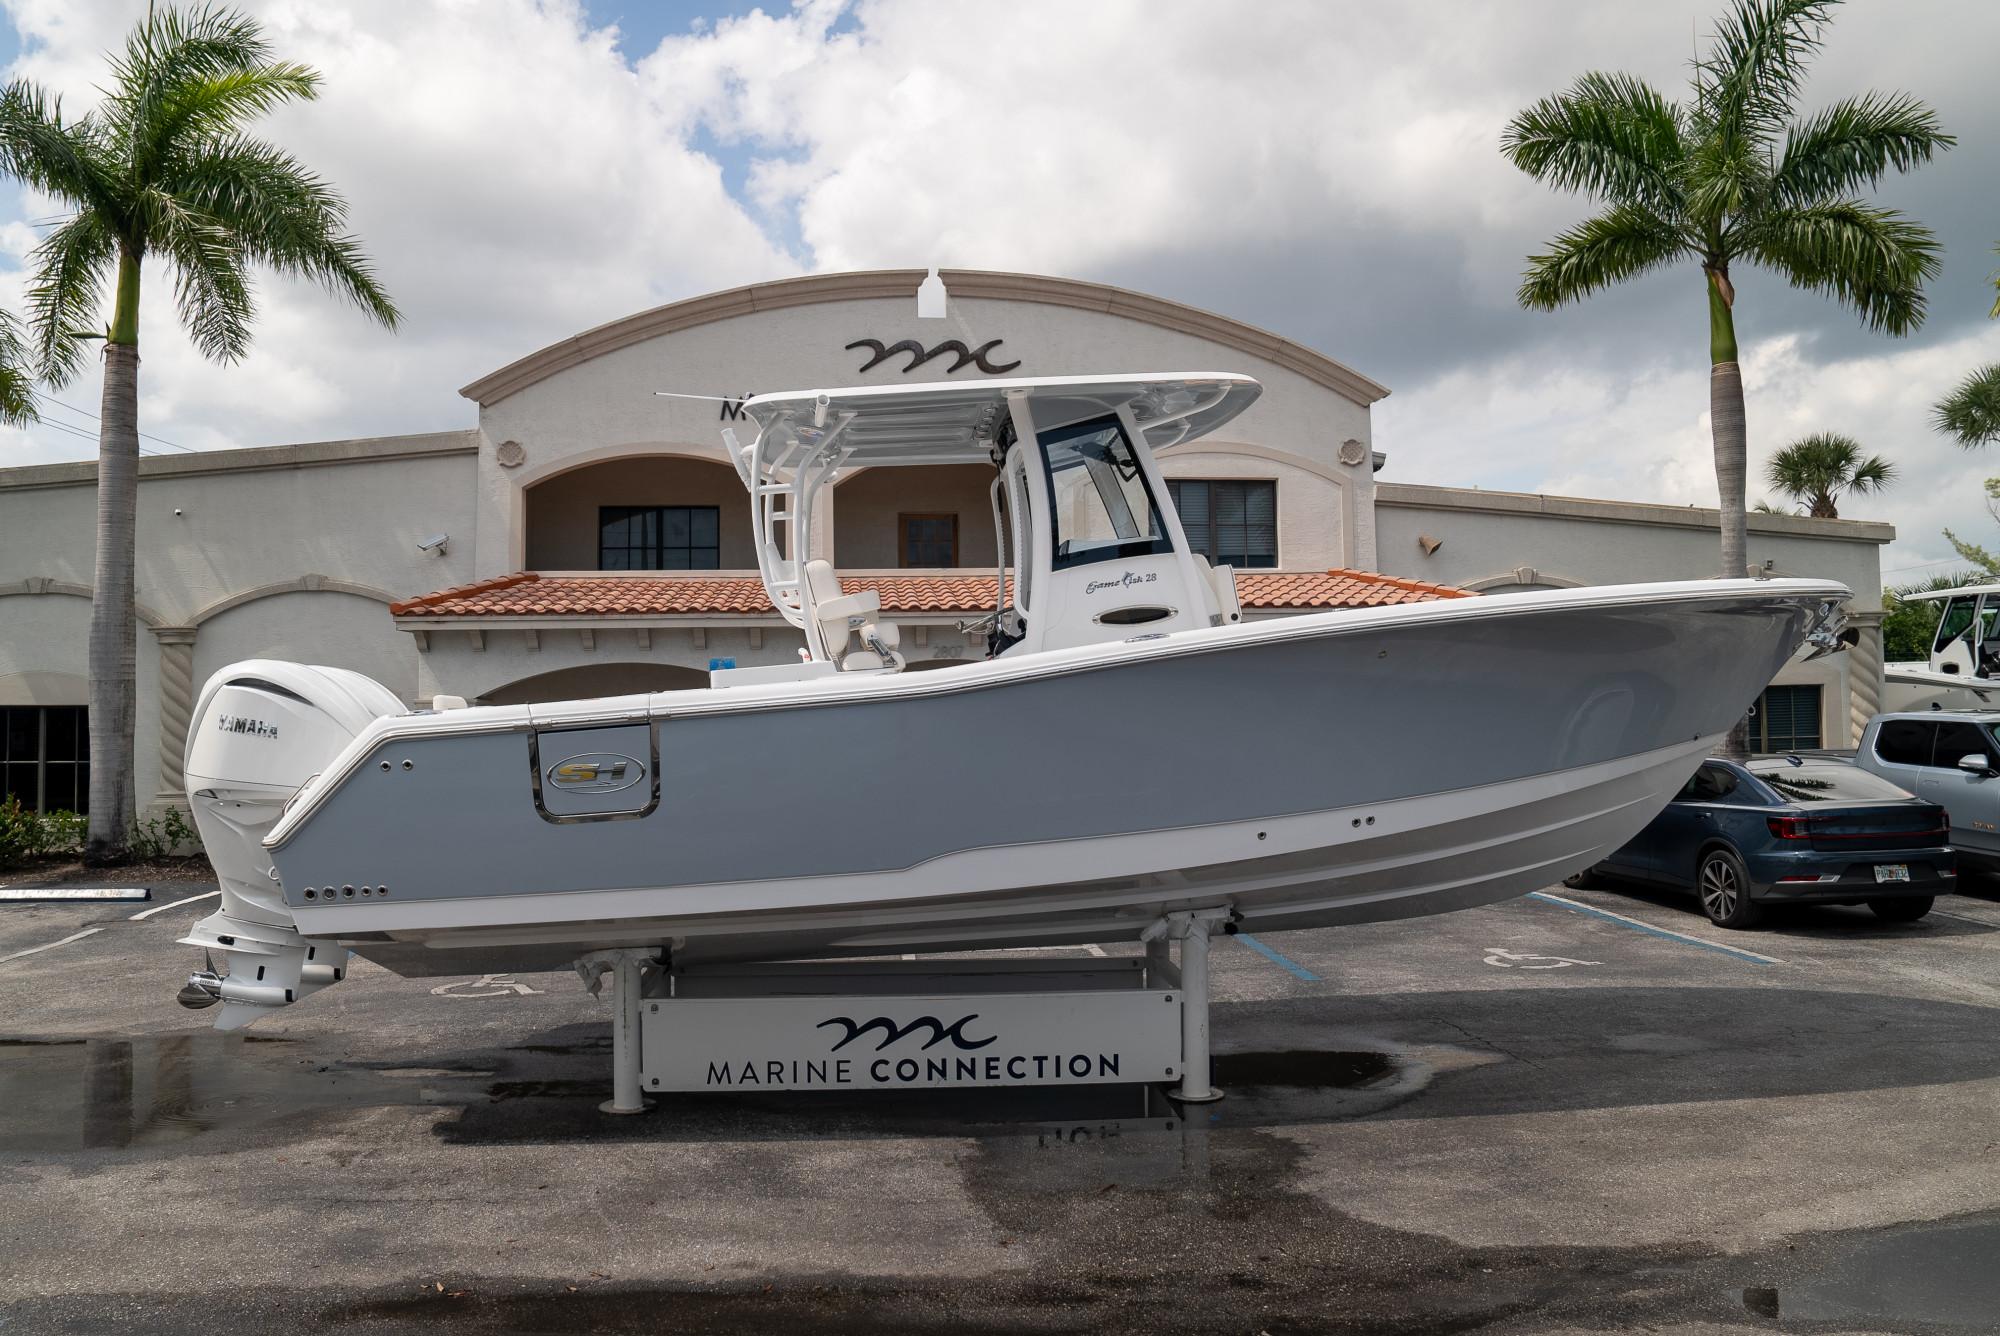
(562,512)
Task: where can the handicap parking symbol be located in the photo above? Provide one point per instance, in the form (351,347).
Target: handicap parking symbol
(495,985)
(1507,960)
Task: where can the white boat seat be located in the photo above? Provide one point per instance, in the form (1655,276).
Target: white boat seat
(840,615)
(878,649)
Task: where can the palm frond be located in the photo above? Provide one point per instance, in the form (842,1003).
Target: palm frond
(1970,414)
(168,50)
(282,215)
(17,382)
(1871,475)
(1611,136)
(62,159)
(1852,144)
(1749,80)
(201,110)
(1874,260)
(70,266)
(1615,245)
(211,283)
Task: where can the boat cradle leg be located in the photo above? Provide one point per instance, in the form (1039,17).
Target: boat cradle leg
(624,966)
(1193,930)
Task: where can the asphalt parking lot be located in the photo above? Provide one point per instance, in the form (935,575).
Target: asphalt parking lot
(1574,1112)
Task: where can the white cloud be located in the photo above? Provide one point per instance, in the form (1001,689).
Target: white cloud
(505,170)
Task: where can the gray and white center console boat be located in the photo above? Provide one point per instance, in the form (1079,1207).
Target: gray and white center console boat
(1136,757)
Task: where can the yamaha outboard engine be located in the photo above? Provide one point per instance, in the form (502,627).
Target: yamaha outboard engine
(263,730)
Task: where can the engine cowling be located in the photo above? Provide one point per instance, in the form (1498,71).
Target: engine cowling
(263,730)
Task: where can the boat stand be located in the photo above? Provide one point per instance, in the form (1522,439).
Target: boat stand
(626,966)
(925,1024)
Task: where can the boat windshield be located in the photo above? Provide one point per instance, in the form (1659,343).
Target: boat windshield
(1098,498)
(1957,619)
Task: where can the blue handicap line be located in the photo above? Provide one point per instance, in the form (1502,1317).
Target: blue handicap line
(1275,958)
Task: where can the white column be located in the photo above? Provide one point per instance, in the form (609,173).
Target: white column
(1864,673)
(176,707)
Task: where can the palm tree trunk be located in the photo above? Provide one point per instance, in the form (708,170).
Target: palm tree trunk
(114,624)
(1727,424)
(1729,427)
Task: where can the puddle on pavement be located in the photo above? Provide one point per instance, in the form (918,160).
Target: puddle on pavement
(1941,1274)
(86,1094)
(1264,1088)
(61,1094)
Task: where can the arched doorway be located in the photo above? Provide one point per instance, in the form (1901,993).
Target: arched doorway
(595,680)
(641,512)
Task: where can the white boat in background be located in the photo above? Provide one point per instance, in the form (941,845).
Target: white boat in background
(1962,671)
(1131,749)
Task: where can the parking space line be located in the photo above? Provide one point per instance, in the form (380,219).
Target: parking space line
(174,904)
(1275,958)
(1685,939)
(50,946)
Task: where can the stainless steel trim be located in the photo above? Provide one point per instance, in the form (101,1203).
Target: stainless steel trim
(628,814)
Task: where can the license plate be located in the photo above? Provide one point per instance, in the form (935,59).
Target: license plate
(1892,872)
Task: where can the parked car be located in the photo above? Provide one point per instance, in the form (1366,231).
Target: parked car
(1950,757)
(1788,830)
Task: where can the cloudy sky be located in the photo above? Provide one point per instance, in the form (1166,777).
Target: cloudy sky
(1328,170)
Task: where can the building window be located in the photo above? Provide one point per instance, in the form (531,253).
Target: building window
(1785,719)
(929,540)
(45,756)
(1230,523)
(659,538)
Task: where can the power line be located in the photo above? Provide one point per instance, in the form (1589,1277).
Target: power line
(147,434)
(68,430)
(1926,565)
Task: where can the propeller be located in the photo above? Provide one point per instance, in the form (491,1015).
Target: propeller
(203,989)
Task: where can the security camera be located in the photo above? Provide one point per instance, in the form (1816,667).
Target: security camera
(435,544)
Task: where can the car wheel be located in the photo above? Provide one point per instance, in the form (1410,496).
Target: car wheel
(1585,880)
(1724,885)
(1903,909)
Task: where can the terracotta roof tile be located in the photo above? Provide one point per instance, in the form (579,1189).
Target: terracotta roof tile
(528,594)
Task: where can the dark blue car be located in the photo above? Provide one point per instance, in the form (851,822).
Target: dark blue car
(1792,830)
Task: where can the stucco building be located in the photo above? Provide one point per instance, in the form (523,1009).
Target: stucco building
(588,536)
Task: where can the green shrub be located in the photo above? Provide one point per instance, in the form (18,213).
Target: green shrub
(163,836)
(26,833)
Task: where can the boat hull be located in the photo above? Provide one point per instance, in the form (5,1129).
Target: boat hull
(1330,769)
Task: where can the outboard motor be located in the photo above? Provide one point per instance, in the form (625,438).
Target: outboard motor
(263,730)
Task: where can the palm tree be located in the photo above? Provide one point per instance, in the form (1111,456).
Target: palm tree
(1726,178)
(1814,470)
(1970,414)
(162,170)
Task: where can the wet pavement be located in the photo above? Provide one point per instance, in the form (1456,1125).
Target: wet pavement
(1582,1112)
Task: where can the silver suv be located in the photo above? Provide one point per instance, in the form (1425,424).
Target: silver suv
(1952,758)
